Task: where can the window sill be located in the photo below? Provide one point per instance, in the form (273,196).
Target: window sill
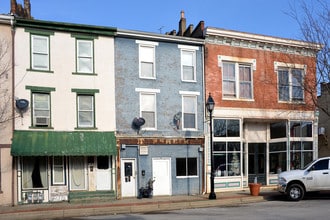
(40,71)
(83,128)
(238,99)
(35,127)
(84,74)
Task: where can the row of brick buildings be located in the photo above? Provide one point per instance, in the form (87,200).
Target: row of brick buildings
(99,111)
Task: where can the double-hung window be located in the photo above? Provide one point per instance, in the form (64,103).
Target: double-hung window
(41,106)
(41,109)
(189,110)
(147,68)
(40,52)
(148,107)
(188,63)
(85,56)
(237,77)
(85,107)
(290,82)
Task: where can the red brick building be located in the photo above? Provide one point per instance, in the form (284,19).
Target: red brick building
(264,119)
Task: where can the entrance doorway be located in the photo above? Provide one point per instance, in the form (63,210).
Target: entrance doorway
(161,172)
(257,162)
(103,173)
(128,178)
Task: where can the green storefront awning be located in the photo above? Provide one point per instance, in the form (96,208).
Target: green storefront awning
(60,143)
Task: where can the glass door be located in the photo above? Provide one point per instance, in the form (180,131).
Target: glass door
(257,162)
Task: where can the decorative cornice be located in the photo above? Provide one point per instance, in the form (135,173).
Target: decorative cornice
(260,42)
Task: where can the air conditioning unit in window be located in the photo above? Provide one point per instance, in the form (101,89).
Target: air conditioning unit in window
(41,121)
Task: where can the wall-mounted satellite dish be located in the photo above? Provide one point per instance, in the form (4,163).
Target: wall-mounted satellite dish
(22,105)
(137,123)
(176,120)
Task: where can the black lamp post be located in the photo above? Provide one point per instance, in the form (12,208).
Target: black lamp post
(210,106)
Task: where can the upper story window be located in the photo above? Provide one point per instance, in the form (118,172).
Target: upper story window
(41,109)
(188,63)
(40,57)
(147,67)
(237,77)
(290,82)
(85,107)
(85,56)
(148,107)
(41,106)
(189,110)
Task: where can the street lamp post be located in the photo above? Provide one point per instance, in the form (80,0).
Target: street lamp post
(210,106)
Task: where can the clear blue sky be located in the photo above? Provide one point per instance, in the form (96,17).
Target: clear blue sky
(266,17)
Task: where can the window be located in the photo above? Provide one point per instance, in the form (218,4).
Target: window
(41,109)
(277,157)
(58,172)
(85,56)
(237,80)
(148,109)
(290,85)
(188,63)
(147,67)
(301,129)
(277,130)
(321,165)
(301,153)
(186,166)
(189,111)
(226,156)
(226,128)
(40,52)
(34,172)
(85,111)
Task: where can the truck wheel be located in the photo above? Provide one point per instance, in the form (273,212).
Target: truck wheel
(295,192)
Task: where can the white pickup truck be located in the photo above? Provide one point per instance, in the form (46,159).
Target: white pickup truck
(314,177)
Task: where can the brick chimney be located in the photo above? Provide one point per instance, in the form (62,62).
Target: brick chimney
(182,24)
(20,11)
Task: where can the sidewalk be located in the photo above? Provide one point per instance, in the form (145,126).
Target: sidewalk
(132,205)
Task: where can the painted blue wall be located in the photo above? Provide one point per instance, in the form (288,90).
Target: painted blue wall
(168,80)
(180,186)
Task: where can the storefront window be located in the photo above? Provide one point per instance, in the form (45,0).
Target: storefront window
(278,130)
(227,158)
(277,157)
(301,153)
(34,171)
(226,128)
(300,129)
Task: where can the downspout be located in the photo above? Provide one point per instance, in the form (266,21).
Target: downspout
(13,106)
(205,157)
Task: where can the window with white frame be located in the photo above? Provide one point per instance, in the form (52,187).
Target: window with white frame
(237,77)
(290,85)
(147,68)
(58,171)
(85,56)
(186,167)
(41,109)
(40,52)
(189,111)
(85,110)
(148,109)
(188,63)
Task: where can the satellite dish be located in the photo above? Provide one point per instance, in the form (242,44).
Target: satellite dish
(176,120)
(138,122)
(22,105)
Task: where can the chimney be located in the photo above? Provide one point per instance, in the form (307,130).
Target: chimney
(27,8)
(13,7)
(182,24)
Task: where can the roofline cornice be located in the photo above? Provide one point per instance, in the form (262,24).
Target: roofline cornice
(158,37)
(65,27)
(210,31)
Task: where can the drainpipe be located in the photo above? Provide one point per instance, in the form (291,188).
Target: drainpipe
(13,106)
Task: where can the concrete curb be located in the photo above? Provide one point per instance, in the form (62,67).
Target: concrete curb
(52,212)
